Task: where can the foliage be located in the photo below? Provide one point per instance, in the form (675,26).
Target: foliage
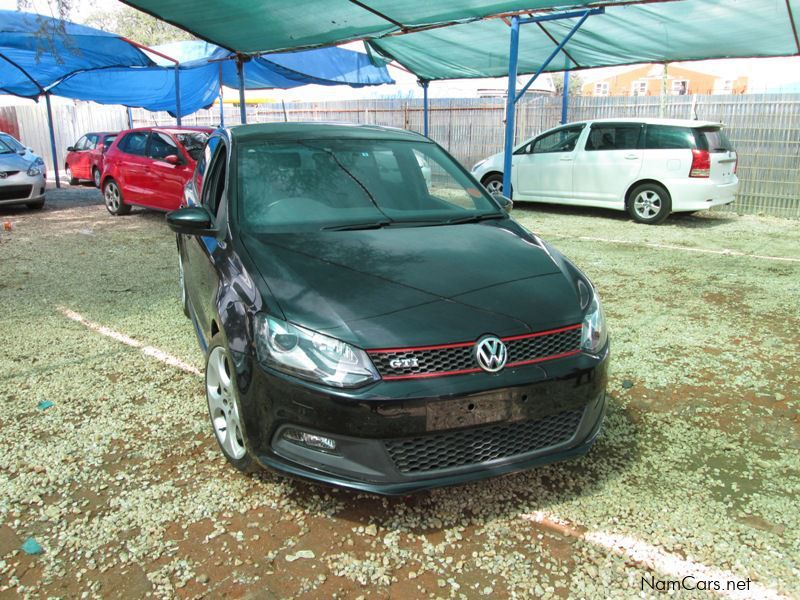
(575,83)
(137,26)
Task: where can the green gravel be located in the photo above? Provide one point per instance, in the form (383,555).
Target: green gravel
(121,480)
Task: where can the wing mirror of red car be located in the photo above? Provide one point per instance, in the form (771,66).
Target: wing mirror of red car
(172,159)
(193,220)
(70,148)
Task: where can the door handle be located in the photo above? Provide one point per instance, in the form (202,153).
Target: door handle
(566,158)
(631,157)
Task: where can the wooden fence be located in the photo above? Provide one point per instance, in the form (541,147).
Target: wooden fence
(764,129)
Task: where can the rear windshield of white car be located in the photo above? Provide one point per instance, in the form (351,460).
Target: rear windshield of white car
(670,137)
(714,140)
(321,184)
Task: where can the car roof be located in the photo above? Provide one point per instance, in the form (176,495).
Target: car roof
(171,129)
(318,130)
(649,121)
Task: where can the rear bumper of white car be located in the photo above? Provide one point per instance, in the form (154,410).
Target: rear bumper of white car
(698,194)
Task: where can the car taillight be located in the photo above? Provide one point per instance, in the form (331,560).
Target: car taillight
(701,164)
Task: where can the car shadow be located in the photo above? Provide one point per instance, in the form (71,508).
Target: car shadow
(503,497)
(694,220)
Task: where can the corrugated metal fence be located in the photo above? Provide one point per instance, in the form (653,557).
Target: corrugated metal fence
(764,128)
(71,122)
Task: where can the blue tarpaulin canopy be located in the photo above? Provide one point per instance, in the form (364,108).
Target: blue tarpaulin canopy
(203,67)
(37,52)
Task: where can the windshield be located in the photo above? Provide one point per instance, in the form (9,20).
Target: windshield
(328,184)
(193,142)
(5,148)
(12,143)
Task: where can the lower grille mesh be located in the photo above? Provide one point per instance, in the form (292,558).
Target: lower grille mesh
(473,446)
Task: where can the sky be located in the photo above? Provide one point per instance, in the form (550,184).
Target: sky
(763,73)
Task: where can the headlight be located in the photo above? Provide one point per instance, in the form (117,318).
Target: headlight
(594,334)
(478,164)
(311,355)
(33,171)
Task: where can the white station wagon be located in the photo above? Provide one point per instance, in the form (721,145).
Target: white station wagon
(648,167)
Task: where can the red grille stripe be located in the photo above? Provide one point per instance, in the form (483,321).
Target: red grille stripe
(541,333)
(542,358)
(464,344)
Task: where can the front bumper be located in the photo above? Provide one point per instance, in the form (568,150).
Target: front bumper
(21,188)
(399,437)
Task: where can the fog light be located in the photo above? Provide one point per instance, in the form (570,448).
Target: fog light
(310,440)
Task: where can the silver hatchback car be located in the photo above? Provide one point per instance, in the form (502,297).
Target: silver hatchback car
(21,180)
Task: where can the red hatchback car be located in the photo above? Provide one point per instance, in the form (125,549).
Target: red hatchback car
(85,159)
(149,167)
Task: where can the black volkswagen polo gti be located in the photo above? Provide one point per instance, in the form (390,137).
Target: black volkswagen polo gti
(373,318)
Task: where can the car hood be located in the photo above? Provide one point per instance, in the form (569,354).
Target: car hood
(416,286)
(13,162)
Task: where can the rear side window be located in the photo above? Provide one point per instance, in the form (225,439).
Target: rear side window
(714,139)
(614,137)
(134,143)
(666,137)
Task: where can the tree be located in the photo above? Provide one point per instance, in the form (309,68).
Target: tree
(137,26)
(575,83)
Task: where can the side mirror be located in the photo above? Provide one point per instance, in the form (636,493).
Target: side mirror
(70,148)
(172,159)
(193,220)
(505,202)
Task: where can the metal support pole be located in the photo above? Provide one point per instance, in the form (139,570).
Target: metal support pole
(178,93)
(565,99)
(513,56)
(130,118)
(52,138)
(221,105)
(425,115)
(242,106)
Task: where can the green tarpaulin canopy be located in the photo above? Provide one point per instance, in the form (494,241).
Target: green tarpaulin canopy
(255,26)
(474,46)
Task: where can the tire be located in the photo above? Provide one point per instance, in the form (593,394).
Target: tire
(184,296)
(112,196)
(649,203)
(96,177)
(38,205)
(493,183)
(224,408)
(70,178)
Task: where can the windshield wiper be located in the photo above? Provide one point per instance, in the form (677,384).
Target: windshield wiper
(473,218)
(357,226)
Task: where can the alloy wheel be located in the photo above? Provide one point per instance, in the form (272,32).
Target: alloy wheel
(112,197)
(68,173)
(96,178)
(495,186)
(647,204)
(222,404)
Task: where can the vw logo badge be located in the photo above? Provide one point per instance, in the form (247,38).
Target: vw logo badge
(491,354)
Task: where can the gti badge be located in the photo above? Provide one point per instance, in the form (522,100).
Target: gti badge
(404,363)
(491,354)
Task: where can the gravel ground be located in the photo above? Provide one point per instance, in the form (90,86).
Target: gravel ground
(121,483)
